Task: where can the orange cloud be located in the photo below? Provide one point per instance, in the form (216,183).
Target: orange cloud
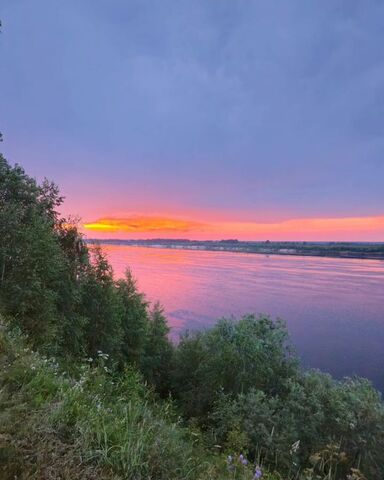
(142,224)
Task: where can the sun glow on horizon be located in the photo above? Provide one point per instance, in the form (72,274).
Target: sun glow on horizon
(139,226)
(143,224)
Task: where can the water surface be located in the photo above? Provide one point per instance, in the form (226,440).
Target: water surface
(334,308)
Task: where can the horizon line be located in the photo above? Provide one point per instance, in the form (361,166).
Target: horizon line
(233,240)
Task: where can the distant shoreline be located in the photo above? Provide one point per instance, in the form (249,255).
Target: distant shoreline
(347,250)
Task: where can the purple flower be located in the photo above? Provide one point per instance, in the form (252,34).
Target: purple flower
(258,473)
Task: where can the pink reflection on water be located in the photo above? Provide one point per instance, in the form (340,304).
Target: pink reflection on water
(334,308)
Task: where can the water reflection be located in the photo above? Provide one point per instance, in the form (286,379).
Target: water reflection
(334,308)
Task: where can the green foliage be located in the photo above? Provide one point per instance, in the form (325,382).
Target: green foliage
(158,355)
(99,304)
(243,385)
(95,425)
(134,319)
(62,294)
(289,431)
(31,262)
(231,358)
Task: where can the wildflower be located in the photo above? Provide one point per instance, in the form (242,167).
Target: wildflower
(295,447)
(258,473)
(243,460)
(102,355)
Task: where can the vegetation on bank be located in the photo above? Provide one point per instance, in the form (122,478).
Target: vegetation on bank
(362,250)
(91,386)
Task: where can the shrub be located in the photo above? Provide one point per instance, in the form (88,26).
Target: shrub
(95,425)
(316,414)
(231,358)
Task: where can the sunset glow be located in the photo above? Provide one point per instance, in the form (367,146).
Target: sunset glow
(349,228)
(136,224)
(194,129)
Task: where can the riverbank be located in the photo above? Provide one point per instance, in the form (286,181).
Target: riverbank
(93,421)
(92,387)
(358,250)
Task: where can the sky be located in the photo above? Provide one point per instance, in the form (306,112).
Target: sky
(201,118)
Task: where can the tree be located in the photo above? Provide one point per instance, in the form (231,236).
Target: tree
(72,319)
(157,361)
(134,319)
(100,306)
(31,261)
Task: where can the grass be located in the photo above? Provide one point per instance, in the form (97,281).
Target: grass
(92,425)
(96,424)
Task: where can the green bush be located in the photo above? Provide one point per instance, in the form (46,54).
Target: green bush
(231,358)
(289,431)
(97,424)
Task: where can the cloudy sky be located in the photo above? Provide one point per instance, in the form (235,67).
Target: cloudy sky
(201,119)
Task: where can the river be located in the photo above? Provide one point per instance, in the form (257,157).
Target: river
(334,308)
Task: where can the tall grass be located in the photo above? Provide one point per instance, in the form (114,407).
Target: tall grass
(99,424)
(91,425)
